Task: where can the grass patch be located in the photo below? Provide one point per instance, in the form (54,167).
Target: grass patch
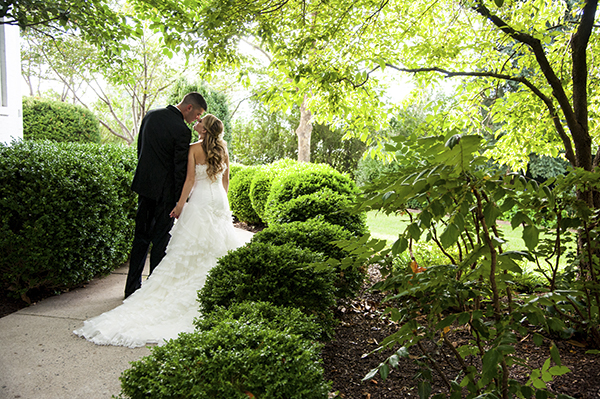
(388,227)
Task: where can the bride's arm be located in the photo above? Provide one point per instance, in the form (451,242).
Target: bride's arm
(226,173)
(187,186)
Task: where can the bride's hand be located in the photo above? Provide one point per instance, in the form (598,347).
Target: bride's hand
(176,211)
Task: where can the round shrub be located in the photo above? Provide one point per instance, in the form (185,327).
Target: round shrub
(59,121)
(263,180)
(66,213)
(239,195)
(325,204)
(277,274)
(234,168)
(317,235)
(265,314)
(232,360)
(295,182)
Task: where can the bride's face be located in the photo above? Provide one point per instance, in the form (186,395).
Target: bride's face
(199,127)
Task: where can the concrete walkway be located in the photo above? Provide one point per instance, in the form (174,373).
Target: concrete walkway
(41,358)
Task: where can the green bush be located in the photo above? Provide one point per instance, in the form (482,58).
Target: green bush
(262,181)
(277,274)
(239,195)
(234,359)
(325,204)
(234,168)
(286,319)
(58,121)
(316,235)
(308,179)
(66,213)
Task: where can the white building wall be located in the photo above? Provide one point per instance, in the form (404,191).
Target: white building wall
(11,103)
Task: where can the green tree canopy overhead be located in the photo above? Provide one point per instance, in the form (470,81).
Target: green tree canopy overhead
(336,51)
(97,21)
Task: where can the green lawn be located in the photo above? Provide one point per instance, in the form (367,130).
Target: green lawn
(387,227)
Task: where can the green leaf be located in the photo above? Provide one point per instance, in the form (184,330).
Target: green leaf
(538,339)
(400,246)
(450,235)
(446,322)
(499,3)
(531,236)
(555,354)
(424,389)
(384,371)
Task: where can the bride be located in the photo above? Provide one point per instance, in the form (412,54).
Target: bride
(166,304)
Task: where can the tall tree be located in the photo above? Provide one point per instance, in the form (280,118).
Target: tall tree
(543,47)
(125,87)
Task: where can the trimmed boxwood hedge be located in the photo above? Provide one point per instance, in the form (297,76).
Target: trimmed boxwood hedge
(310,178)
(277,274)
(233,359)
(239,195)
(59,121)
(66,213)
(260,187)
(286,319)
(325,204)
(317,235)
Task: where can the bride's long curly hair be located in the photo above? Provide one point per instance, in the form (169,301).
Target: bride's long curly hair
(214,146)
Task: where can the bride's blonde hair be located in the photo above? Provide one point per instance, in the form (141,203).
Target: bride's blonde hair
(214,146)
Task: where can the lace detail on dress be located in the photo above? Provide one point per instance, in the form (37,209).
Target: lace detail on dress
(166,304)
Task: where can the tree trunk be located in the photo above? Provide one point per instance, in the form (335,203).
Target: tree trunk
(304,132)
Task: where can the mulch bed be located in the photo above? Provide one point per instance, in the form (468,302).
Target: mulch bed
(350,356)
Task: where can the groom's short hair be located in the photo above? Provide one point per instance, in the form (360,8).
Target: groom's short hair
(195,99)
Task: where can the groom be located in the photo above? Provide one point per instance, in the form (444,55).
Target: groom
(162,150)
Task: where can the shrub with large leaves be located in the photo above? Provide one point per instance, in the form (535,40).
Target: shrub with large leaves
(66,213)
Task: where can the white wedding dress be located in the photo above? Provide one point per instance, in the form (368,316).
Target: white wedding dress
(166,304)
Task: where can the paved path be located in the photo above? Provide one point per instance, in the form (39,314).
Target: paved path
(40,357)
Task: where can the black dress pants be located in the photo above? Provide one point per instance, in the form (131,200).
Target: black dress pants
(152,226)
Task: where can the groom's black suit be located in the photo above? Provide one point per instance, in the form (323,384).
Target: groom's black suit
(163,145)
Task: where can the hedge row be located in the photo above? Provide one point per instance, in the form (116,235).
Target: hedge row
(66,213)
(265,308)
(59,121)
(287,191)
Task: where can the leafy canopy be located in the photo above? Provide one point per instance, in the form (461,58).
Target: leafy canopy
(518,61)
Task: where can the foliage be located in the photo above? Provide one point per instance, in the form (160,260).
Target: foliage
(124,87)
(328,146)
(324,204)
(475,287)
(542,168)
(266,137)
(306,179)
(316,235)
(277,274)
(216,102)
(234,168)
(57,121)
(66,213)
(487,47)
(233,359)
(262,181)
(239,195)
(95,20)
(263,314)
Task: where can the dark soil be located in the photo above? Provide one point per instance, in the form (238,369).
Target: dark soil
(349,356)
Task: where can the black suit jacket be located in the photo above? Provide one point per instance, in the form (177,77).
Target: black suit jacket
(163,145)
